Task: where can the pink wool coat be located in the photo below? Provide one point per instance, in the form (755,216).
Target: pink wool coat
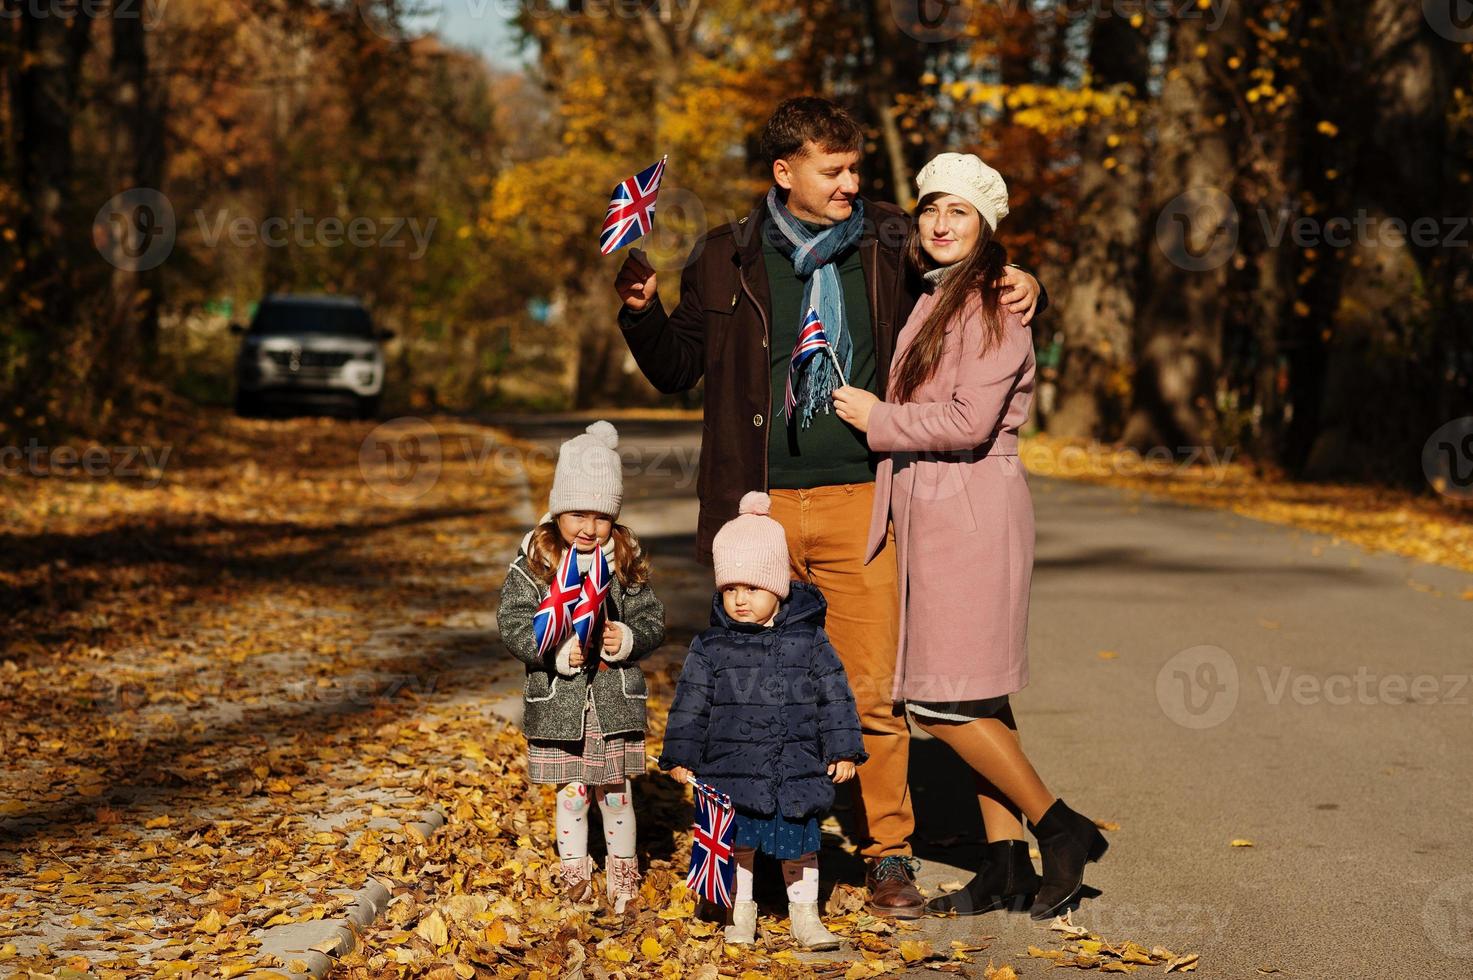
(953,486)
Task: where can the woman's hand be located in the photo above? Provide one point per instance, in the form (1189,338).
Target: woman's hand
(841,771)
(1020,292)
(681,774)
(854,406)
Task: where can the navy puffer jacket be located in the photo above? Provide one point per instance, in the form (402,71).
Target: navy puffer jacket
(760,712)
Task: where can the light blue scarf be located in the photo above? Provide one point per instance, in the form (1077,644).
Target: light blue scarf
(812,254)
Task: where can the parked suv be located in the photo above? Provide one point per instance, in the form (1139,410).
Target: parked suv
(315,350)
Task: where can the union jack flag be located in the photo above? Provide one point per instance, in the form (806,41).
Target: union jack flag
(712,854)
(591,601)
(554,615)
(811,340)
(631,209)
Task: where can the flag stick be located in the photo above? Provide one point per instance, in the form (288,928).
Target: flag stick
(835,358)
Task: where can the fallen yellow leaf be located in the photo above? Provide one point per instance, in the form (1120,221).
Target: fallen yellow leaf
(210,924)
(432,929)
(1241,842)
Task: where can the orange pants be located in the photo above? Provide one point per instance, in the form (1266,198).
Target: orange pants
(826,530)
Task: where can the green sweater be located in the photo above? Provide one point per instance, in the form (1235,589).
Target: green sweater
(828,452)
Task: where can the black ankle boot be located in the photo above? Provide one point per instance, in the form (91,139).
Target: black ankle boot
(1005,880)
(1066,841)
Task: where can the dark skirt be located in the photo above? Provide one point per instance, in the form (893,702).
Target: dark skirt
(776,835)
(958,711)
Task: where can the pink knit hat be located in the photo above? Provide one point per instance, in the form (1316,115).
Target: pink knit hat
(751,549)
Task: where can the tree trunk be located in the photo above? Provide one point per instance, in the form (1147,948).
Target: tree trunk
(44,102)
(1099,308)
(1195,225)
(138,162)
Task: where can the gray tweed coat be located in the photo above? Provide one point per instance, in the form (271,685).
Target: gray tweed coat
(554,702)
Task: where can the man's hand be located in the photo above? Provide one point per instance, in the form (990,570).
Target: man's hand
(1020,292)
(681,774)
(841,771)
(853,405)
(636,281)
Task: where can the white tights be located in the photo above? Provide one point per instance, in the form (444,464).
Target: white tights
(614,803)
(800,874)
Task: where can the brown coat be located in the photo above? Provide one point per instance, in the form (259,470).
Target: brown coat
(721,331)
(957,495)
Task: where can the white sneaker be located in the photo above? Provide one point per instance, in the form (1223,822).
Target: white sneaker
(807,928)
(743,928)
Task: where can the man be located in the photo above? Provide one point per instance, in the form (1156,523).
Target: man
(812,243)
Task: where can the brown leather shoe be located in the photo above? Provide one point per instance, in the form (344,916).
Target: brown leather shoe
(892,887)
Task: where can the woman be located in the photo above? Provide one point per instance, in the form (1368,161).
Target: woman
(960,387)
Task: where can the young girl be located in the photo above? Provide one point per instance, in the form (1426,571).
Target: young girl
(764,713)
(585,709)
(952,486)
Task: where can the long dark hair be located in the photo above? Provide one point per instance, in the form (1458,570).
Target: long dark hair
(976,275)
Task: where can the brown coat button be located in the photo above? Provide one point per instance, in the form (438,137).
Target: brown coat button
(757,421)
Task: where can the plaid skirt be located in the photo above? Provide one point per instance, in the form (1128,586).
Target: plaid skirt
(594,761)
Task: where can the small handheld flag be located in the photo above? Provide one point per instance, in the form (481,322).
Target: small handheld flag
(591,601)
(712,851)
(631,209)
(554,615)
(811,340)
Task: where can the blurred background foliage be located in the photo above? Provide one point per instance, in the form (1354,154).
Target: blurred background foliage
(1332,361)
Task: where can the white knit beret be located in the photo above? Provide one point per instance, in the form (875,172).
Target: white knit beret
(966,176)
(589,474)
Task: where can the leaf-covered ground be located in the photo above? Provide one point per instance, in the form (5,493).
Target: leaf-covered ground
(234,681)
(1425,526)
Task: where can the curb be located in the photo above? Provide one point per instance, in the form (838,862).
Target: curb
(319,943)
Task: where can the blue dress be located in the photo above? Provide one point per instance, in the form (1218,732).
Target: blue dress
(776,835)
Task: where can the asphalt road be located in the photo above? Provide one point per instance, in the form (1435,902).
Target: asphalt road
(1260,684)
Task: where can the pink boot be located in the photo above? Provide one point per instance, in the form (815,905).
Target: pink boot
(623,879)
(577,876)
